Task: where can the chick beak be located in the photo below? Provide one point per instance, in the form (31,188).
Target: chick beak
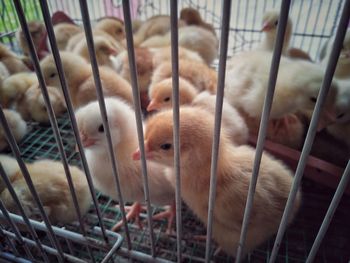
(86,141)
(266,27)
(327,117)
(112,51)
(153,105)
(137,154)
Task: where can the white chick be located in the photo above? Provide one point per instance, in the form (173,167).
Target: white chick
(112,26)
(17,126)
(12,62)
(246,83)
(124,135)
(51,184)
(342,70)
(14,87)
(32,105)
(270,22)
(234,172)
(194,38)
(103,50)
(37,30)
(63,32)
(80,80)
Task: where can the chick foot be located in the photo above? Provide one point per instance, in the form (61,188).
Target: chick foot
(133,212)
(169,214)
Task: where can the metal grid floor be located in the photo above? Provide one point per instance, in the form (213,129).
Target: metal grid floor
(40,143)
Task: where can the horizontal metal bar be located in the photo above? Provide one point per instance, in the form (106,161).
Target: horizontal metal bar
(133,254)
(13,258)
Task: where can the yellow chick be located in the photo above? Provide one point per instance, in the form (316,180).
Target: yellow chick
(17,126)
(124,136)
(32,105)
(63,32)
(269,27)
(112,26)
(51,184)
(198,74)
(37,30)
(342,70)
(194,38)
(233,178)
(10,166)
(80,79)
(14,87)
(246,83)
(13,63)
(192,17)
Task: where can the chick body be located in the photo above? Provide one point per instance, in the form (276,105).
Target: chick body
(13,63)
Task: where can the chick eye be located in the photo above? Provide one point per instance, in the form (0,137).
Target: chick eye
(313,99)
(100,128)
(52,75)
(340,116)
(119,30)
(276,23)
(167,99)
(166,146)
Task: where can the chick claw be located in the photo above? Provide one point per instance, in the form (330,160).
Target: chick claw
(133,212)
(170,215)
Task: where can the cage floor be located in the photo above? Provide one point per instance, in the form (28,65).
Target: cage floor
(40,143)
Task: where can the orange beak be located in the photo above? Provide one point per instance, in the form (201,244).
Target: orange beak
(327,117)
(137,154)
(153,105)
(266,27)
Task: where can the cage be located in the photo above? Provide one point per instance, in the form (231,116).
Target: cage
(238,27)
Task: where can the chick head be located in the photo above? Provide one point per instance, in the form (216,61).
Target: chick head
(270,23)
(112,26)
(342,103)
(344,58)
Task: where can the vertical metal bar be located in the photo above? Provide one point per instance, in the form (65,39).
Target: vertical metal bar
(298,20)
(15,230)
(225,27)
(331,65)
(57,58)
(176,120)
(96,74)
(253,25)
(137,106)
(306,22)
(12,142)
(21,210)
(330,212)
(237,20)
(281,29)
(315,25)
(323,29)
(52,117)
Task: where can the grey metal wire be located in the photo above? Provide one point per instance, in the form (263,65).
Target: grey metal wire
(331,65)
(137,106)
(282,23)
(55,52)
(330,212)
(225,27)
(21,210)
(52,117)
(12,142)
(176,120)
(100,97)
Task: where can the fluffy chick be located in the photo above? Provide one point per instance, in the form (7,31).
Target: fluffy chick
(269,27)
(17,126)
(233,178)
(342,70)
(32,105)
(124,135)
(37,30)
(191,16)
(13,63)
(104,48)
(246,83)
(63,32)
(10,166)
(50,182)
(112,26)
(198,74)
(14,87)
(194,38)
(80,79)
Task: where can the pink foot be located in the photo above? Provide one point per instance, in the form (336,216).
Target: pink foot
(169,214)
(133,212)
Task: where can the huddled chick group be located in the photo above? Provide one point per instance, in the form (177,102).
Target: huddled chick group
(298,83)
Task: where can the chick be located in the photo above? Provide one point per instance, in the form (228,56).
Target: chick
(10,166)
(17,126)
(194,38)
(198,74)
(51,184)
(270,22)
(103,50)
(233,177)
(37,31)
(32,105)
(63,32)
(4,73)
(14,87)
(342,70)
(246,83)
(192,17)
(80,80)
(124,135)
(13,63)
(112,26)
